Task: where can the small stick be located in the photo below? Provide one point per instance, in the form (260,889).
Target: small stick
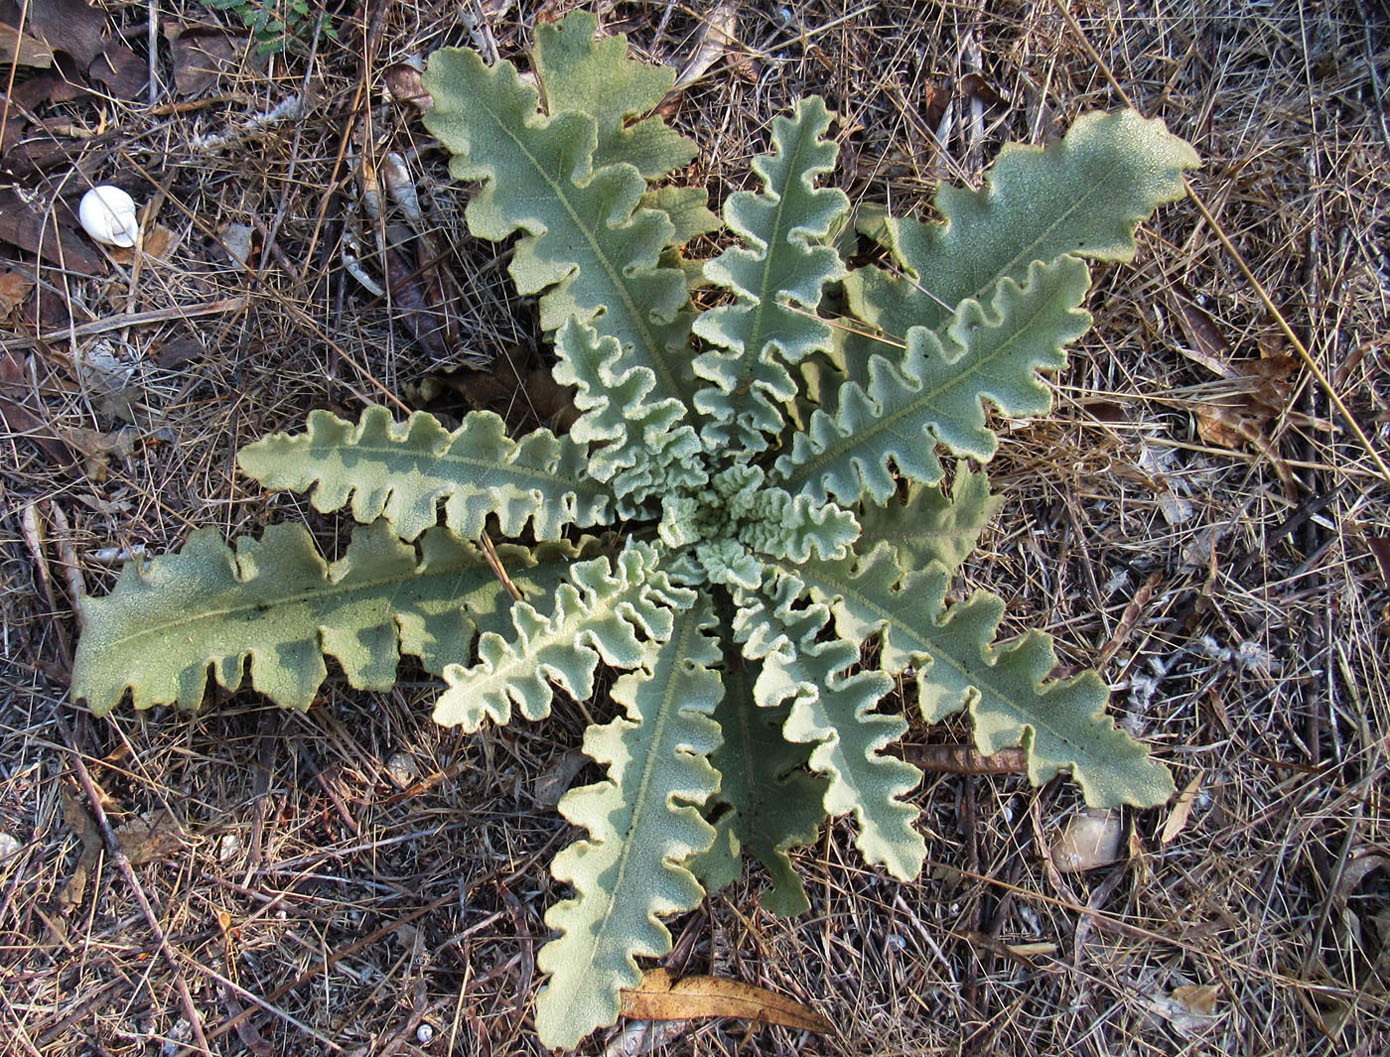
(134,319)
(494,562)
(965,759)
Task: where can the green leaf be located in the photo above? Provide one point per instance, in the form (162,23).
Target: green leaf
(1082,196)
(1061,723)
(402,471)
(587,248)
(834,711)
(598,615)
(278,604)
(777,276)
(625,430)
(929,526)
(643,823)
(768,801)
(688,210)
(936,394)
(597,78)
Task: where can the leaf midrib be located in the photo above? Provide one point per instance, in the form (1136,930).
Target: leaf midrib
(630,307)
(892,621)
(804,472)
(330,591)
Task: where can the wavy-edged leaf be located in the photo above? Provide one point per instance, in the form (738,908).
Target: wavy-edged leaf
(834,711)
(776,276)
(599,614)
(588,248)
(1083,195)
(930,526)
(596,77)
(690,216)
(768,801)
(402,471)
(739,517)
(643,823)
(624,429)
(1061,723)
(277,603)
(936,394)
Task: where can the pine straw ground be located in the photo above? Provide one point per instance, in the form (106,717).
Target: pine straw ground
(1232,594)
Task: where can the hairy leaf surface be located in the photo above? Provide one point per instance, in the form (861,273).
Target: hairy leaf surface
(638,447)
(768,801)
(834,711)
(777,276)
(936,394)
(643,823)
(599,614)
(589,249)
(402,471)
(930,526)
(596,77)
(1083,196)
(278,604)
(1061,723)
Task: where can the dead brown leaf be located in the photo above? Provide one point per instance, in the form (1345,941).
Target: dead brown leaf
(14,289)
(149,837)
(73,26)
(21,49)
(155,242)
(717,37)
(201,57)
(1182,810)
(935,99)
(54,240)
(178,352)
(1257,391)
(80,821)
(404,83)
(496,388)
(1199,999)
(1206,342)
(559,773)
(659,997)
(123,72)
(976,87)
(98,448)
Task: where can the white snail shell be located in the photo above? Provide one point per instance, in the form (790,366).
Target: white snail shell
(108,215)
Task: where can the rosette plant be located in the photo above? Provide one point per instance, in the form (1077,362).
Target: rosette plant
(752,493)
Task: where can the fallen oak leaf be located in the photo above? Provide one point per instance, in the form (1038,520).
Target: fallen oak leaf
(15,287)
(718,37)
(56,241)
(149,837)
(1206,342)
(23,50)
(73,26)
(660,997)
(1256,391)
(201,57)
